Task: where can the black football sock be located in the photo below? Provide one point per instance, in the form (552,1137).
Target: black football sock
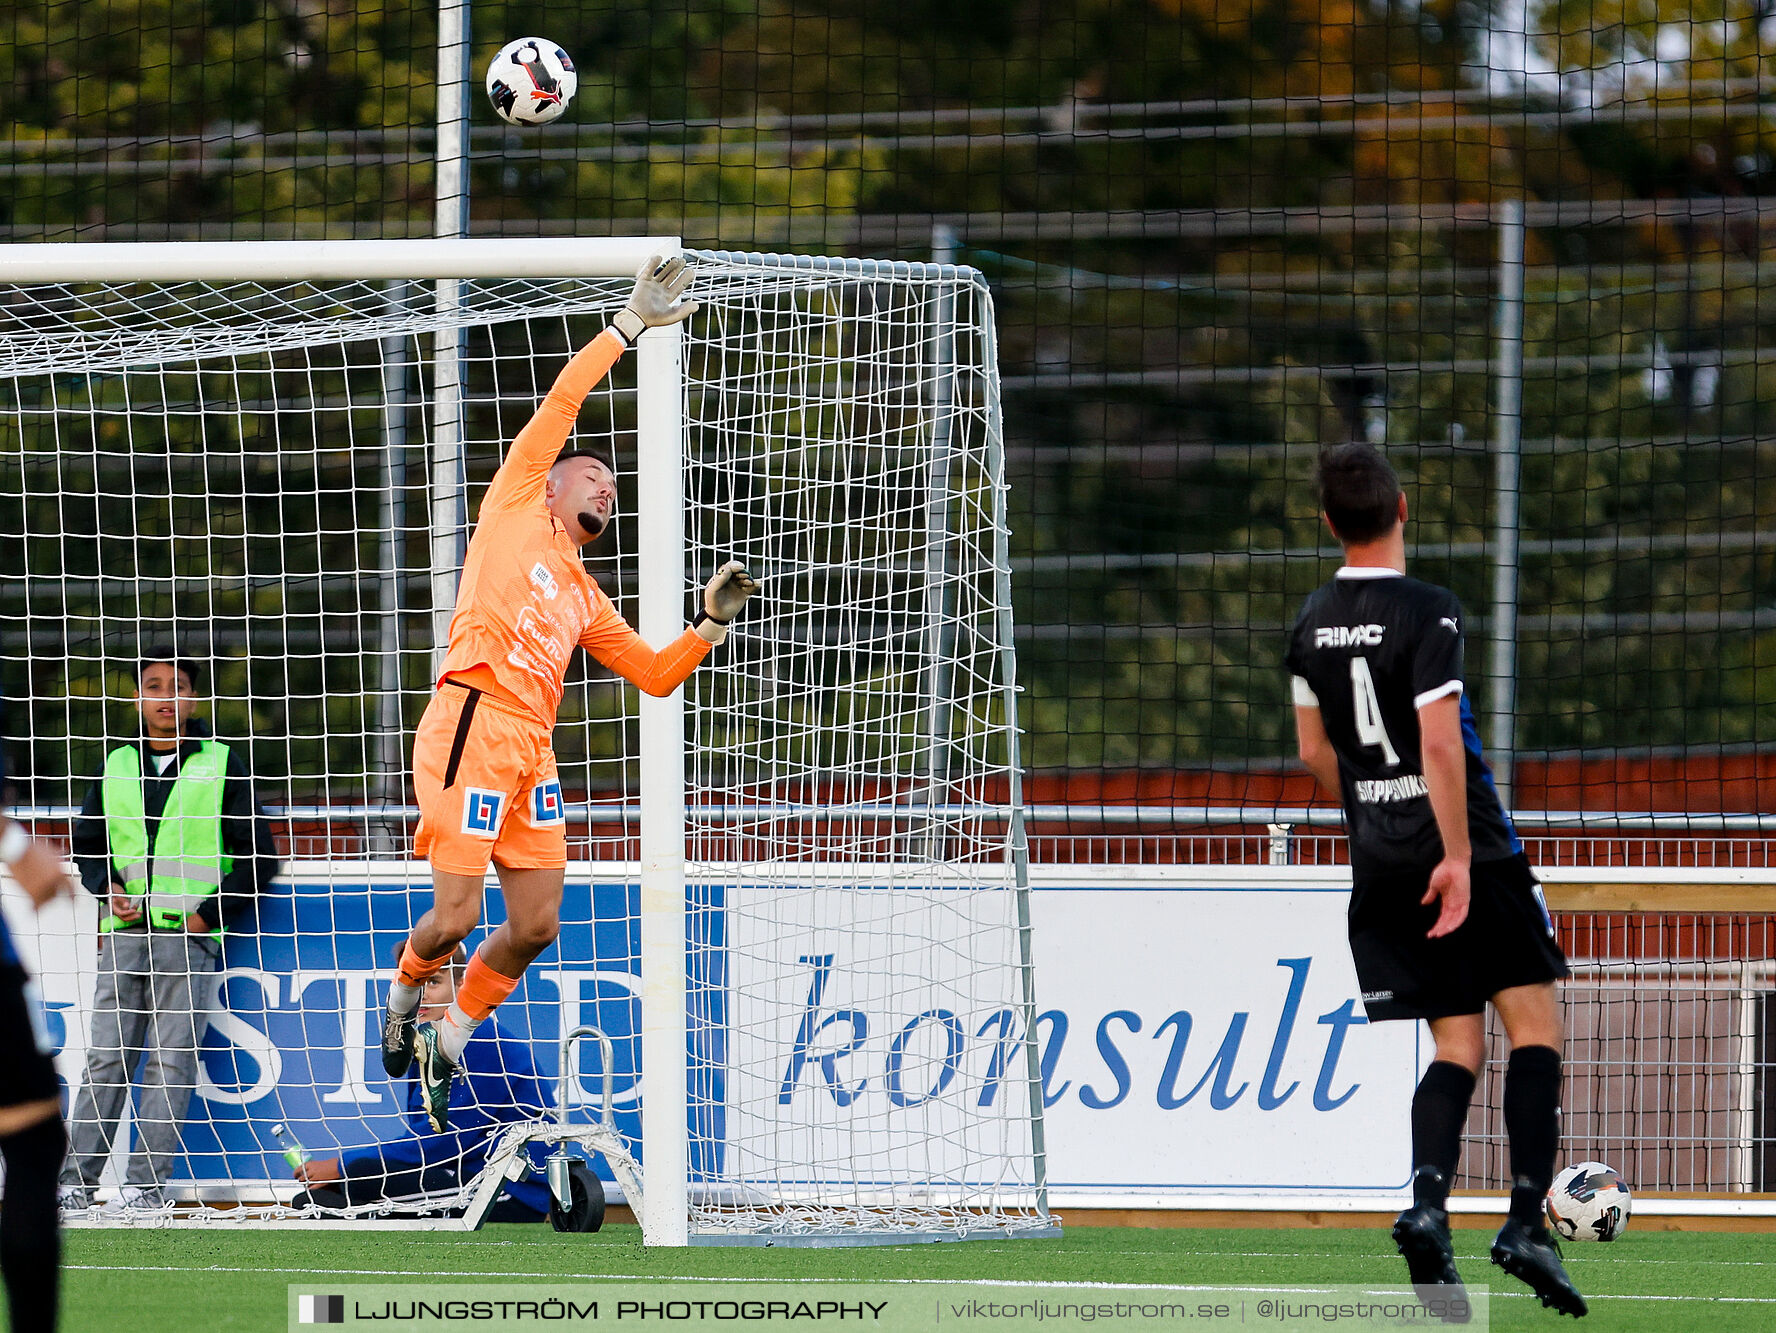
(1439,1110)
(30,1230)
(1532,1125)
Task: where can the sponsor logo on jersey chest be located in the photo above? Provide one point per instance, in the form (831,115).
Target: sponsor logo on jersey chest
(1348,636)
(544,580)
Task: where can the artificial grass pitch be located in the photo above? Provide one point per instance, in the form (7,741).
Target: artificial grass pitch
(146,1281)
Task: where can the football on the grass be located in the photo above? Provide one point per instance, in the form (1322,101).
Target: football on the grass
(531,81)
(1588,1202)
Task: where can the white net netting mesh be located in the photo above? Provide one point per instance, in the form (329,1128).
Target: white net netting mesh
(249,473)
(850,768)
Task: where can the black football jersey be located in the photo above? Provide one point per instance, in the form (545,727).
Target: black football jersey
(1369,649)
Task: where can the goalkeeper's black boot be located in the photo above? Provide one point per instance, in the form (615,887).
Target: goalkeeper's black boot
(1528,1253)
(435,1073)
(397,1042)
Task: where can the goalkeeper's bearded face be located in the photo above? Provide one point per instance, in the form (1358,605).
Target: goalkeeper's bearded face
(582,493)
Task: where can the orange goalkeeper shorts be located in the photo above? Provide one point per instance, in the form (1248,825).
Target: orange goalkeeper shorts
(487,785)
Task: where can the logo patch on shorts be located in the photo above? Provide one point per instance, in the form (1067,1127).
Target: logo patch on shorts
(482,811)
(546,809)
(1542,902)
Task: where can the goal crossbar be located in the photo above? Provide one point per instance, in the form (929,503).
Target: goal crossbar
(330,261)
(415,260)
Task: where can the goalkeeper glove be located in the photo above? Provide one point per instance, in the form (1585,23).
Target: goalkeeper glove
(724,597)
(658,298)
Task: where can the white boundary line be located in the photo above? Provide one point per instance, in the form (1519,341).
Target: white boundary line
(512,1275)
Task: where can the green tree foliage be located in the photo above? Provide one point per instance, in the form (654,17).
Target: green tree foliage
(1290,240)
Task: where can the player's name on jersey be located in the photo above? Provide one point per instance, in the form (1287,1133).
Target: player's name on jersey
(1380,791)
(1348,636)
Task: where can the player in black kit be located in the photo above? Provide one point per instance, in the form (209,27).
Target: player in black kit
(1445,913)
(31,1137)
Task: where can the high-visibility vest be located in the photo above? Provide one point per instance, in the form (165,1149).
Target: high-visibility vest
(187,863)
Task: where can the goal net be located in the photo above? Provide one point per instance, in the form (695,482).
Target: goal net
(796,904)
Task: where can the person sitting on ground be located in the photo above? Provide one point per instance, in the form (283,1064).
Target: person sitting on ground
(499,1087)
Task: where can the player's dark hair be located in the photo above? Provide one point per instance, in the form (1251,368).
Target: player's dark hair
(1359,491)
(165,653)
(596,455)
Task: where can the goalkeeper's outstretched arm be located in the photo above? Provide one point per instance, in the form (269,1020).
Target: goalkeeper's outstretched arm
(612,641)
(657,300)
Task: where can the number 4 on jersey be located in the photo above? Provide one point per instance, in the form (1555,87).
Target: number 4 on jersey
(1370,730)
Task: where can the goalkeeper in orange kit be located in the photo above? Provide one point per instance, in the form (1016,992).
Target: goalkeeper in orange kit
(483,769)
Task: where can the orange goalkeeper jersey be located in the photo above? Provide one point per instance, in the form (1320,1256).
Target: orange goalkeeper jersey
(525,598)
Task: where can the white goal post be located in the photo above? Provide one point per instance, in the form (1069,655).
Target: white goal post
(805,887)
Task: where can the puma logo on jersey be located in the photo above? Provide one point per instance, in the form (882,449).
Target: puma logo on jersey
(1348,636)
(1450,621)
(540,575)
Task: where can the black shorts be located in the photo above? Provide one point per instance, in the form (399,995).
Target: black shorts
(24,1044)
(1507,940)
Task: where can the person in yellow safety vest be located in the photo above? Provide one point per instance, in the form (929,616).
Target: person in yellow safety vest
(172,844)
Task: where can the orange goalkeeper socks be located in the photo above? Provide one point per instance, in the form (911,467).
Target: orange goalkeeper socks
(482,991)
(411,977)
(416,971)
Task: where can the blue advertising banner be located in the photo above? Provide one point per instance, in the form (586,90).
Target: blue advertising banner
(1199,1029)
(293,1037)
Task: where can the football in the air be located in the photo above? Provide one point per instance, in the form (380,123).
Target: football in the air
(531,81)
(1588,1202)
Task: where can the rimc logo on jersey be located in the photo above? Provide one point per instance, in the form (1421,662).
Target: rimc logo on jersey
(1348,636)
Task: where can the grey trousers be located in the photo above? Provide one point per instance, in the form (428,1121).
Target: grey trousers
(152,1003)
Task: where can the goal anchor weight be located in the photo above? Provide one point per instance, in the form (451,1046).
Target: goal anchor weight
(508,1160)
